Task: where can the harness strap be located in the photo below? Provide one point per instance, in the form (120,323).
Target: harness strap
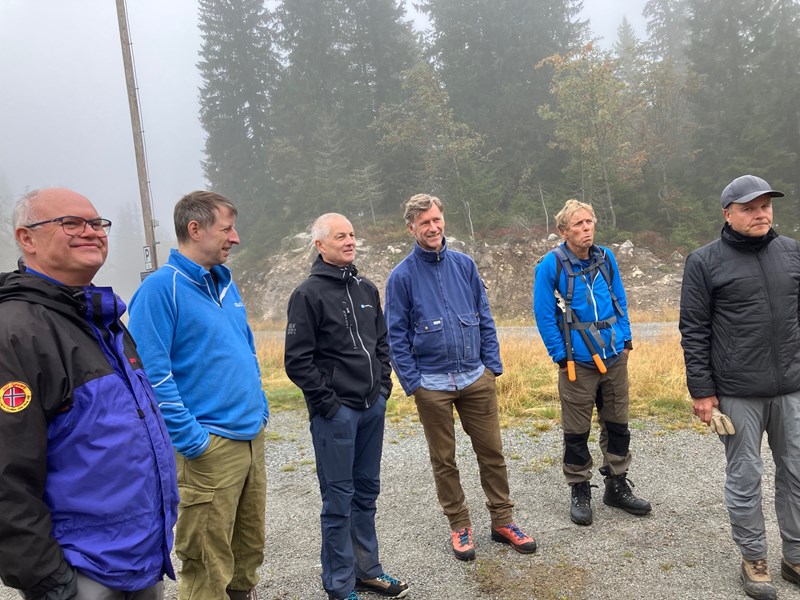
(592,327)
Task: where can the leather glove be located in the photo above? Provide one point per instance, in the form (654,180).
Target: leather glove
(721,423)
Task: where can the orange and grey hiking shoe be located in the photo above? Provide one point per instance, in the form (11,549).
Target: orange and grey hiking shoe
(511,534)
(463,545)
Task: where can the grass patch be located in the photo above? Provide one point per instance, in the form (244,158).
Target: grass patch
(515,581)
(544,463)
(528,387)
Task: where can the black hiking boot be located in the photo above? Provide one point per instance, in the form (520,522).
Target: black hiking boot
(619,494)
(580,510)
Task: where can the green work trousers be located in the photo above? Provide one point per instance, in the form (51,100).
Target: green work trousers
(219,536)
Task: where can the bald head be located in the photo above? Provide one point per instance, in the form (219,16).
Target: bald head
(47,248)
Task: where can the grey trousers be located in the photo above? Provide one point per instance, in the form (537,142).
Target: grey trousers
(779,417)
(89,589)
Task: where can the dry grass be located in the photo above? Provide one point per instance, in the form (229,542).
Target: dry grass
(528,387)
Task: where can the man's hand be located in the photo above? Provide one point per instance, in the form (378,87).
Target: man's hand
(721,423)
(702,408)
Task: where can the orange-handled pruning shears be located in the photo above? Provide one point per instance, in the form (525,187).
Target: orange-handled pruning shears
(601,366)
(567,338)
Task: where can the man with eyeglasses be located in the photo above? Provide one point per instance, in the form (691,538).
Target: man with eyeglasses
(88,496)
(190,325)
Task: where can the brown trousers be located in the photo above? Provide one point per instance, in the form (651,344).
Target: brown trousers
(477,409)
(578,400)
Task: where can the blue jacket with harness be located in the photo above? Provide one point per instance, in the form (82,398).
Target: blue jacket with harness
(591,295)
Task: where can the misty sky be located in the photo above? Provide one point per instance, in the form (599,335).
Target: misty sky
(64,118)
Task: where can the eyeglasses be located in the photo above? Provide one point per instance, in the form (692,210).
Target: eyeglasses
(73,226)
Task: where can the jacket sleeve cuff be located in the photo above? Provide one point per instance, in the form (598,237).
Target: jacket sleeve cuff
(333,409)
(628,345)
(562,363)
(60,584)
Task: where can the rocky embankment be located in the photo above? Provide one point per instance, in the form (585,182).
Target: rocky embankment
(506,267)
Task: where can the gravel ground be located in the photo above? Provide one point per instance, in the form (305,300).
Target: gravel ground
(682,550)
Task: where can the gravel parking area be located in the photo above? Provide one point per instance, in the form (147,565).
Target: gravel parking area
(682,550)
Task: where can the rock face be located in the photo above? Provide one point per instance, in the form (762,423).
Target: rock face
(506,267)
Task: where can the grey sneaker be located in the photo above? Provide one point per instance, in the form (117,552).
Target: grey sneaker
(385,585)
(757,581)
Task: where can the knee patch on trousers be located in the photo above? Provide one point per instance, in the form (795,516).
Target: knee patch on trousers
(619,438)
(576,450)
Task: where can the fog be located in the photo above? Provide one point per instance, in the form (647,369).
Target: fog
(64,118)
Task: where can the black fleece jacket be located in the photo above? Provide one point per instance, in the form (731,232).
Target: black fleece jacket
(336,347)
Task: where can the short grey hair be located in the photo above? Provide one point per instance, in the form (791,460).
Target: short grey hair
(23,211)
(200,206)
(322,226)
(564,216)
(418,204)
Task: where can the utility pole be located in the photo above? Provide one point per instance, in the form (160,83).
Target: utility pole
(150,255)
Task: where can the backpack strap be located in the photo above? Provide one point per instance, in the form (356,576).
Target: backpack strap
(589,330)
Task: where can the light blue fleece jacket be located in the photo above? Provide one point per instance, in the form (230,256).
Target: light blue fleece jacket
(199,354)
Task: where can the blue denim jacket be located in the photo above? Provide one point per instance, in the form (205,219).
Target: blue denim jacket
(438,317)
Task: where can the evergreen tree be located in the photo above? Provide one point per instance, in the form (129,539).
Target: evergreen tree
(485,52)
(368,189)
(668,29)
(424,134)
(778,49)
(739,96)
(628,50)
(596,116)
(239,70)
(343,61)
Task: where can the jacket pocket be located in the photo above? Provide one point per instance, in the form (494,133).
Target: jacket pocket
(471,335)
(429,343)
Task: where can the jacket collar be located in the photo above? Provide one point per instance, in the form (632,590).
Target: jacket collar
(594,254)
(745,243)
(431,255)
(28,285)
(341,274)
(197,273)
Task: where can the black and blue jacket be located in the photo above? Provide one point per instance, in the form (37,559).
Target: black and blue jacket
(593,300)
(336,347)
(87,471)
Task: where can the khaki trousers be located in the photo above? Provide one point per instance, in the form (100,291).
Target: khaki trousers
(477,409)
(578,400)
(219,536)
